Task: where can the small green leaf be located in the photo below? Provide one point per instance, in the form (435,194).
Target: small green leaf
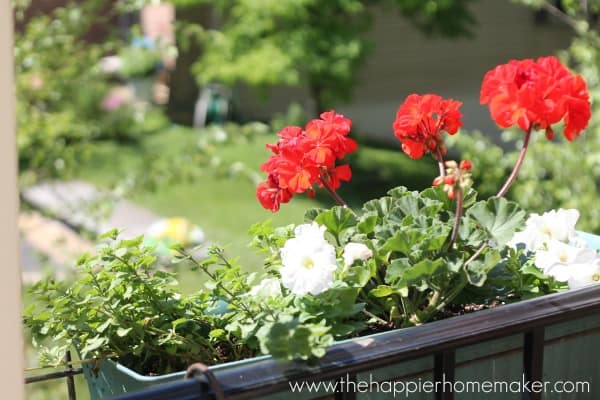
(217,333)
(530,269)
(122,332)
(111,234)
(418,275)
(367,223)
(339,221)
(381,291)
(478,270)
(312,213)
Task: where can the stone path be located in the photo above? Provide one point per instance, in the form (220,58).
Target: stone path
(50,240)
(48,244)
(79,204)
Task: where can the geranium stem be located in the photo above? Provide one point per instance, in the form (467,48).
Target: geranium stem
(515,171)
(459,211)
(440,161)
(333,193)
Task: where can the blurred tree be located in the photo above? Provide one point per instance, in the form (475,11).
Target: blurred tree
(319,44)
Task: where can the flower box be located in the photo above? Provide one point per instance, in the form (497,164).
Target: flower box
(547,339)
(400,261)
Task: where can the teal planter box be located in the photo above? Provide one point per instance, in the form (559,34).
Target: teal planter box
(108,379)
(548,339)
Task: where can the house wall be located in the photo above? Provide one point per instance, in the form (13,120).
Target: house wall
(405,61)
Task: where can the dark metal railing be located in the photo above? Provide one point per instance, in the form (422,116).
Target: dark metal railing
(68,373)
(439,339)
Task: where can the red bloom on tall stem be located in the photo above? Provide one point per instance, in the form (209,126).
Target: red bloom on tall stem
(535,95)
(271,195)
(421,120)
(302,158)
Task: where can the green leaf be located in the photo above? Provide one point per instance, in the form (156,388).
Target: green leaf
(367,223)
(217,333)
(478,270)
(122,332)
(111,234)
(339,221)
(312,213)
(530,269)
(381,291)
(104,325)
(404,241)
(381,207)
(93,344)
(418,275)
(499,217)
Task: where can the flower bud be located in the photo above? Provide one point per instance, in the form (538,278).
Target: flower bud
(465,165)
(451,164)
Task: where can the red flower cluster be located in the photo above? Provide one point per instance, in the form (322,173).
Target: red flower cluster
(302,158)
(421,120)
(535,95)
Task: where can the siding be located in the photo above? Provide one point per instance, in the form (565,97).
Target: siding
(405,61)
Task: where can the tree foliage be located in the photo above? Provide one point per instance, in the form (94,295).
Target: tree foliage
(320,45)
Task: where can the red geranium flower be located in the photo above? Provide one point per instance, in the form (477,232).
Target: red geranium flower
(302,158)
(536,95)
(421,120)
(334,176)
(271,195)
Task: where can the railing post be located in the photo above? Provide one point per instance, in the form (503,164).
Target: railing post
(343,394)
(70,379)
(533,360)
(443,374)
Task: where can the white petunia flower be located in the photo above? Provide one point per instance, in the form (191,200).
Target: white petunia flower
(553,225)
(268,287)
(308,261)
(559,259)
(356,251)
(584,275)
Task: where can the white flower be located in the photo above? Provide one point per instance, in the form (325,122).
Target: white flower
(356,251)
(268,287)
(559,259)
(583,275)
(308,261)
(553,225)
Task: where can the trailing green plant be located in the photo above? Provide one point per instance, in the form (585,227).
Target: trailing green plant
(123,307)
